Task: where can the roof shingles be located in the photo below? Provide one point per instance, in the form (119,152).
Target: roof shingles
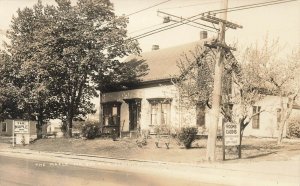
(162,63)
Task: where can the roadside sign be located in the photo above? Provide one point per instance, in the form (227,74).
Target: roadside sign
(21,127)
(231,134)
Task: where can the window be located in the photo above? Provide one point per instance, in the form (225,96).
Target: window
(200,111)
(160,111)
(255,119)
(154,110)
(4,127)
(111,113)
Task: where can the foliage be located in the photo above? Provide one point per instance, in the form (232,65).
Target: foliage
(187,135)
(276,76)
(90,130)
(9,94)
(127,75)
(63,129)
(142,138)
(163,135)
(59,52)
(162,129)
(114,134)
(195,82)
(294,129)
(23,140)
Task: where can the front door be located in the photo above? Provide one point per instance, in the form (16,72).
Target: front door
(134,106)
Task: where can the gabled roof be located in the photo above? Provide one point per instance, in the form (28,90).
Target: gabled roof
(162,63)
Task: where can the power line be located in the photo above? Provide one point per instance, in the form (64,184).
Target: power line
(237,8)
(184,19)
(147,8)
(145,28)
(163,29)
(250,6)
(173,25)
(167,27)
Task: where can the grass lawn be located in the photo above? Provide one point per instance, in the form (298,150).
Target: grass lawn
(253,148)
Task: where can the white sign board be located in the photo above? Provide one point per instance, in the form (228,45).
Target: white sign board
(231,134)
(21,127)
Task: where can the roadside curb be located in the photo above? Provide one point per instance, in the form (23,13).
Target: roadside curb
(69,154)
(219,173)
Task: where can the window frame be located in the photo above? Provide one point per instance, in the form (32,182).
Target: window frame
(256,119)
(3,124)
(159,111)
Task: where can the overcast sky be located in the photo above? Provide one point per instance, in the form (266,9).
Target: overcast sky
(278,21)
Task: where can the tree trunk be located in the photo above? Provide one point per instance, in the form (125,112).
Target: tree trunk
(285,114)
(243,125)
(280,132)
(69,126)
(39,127)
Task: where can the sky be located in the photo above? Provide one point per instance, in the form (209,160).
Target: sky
(278,21)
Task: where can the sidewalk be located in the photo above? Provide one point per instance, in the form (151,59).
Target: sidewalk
(251,173)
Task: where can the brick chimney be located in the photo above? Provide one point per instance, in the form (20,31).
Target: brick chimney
(155,47)
(203,35)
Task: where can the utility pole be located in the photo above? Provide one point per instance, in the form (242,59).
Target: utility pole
(217,89)
(221,47)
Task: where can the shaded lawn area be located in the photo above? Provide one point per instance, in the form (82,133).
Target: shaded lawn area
(252,149)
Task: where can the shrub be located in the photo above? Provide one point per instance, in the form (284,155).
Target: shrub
(187,136)
(162,130)
(163,133)
(90,130)
(294,129)
(142,138)
(114,134)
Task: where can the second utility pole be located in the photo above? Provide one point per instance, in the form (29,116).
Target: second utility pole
(217,89)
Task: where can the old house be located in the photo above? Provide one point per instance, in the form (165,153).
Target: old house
(156,100)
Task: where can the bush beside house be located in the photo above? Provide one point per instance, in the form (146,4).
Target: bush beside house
(187,135)
(90,130)
(294,129)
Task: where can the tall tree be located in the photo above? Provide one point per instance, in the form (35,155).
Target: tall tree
(24,71)
(121,76)
(240,88)
(9,94)
(63,49)
(248,90)
(196,81)
(277,76)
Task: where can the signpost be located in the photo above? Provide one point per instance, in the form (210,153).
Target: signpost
(231,136)
(22,131)
(13,134)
